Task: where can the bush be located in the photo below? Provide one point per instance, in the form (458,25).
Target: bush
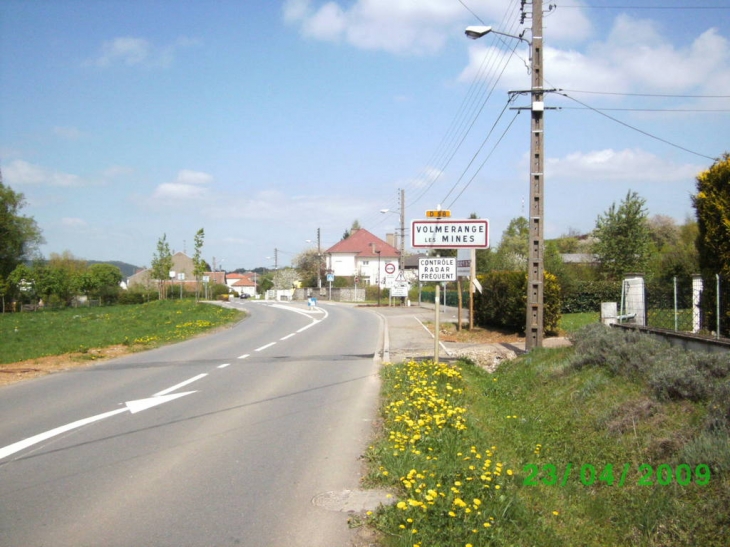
(718,409)
(583,296)
(675,376)
(137,296)
(503,301)
(620,351)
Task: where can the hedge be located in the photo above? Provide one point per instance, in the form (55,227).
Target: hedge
(503,301)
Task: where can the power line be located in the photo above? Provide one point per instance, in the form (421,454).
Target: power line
(494,125)
(485,160)
(647,94)
(650,109)
(649,7)
(637,129)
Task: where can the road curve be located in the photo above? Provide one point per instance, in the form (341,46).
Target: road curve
(222,440)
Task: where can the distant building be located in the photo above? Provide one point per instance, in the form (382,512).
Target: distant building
(365,256)
(242,284)
(183,267)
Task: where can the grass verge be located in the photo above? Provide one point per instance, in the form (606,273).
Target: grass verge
(557,448)
(40,334)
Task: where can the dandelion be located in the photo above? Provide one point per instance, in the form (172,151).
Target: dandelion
(556,513)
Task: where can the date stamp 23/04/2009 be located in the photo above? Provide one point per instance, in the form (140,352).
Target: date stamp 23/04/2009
(664,474)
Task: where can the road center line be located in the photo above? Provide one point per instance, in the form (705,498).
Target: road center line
(262,348)
(288,336)
(224,365)
(181,384)
(244,356)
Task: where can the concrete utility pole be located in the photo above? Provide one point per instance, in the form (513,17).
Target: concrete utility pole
(402,227)
(535,264)
(319,260)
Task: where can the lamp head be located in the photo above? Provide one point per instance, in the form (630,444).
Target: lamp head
(477,31)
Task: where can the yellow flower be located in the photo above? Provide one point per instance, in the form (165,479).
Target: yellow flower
(402,505)
(555,513)
(509,472)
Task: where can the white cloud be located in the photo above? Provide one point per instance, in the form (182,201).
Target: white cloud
(135,51)
(635,57)
(396,26)
(410,26)
(626,165)
(20,173)
(188,185)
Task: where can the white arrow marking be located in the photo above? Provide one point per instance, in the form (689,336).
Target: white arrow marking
(131,406)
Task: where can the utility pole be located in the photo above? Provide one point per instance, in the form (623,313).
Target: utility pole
(402,226)
(319,260)
(535,265)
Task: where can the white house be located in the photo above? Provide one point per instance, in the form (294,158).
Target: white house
(364,256)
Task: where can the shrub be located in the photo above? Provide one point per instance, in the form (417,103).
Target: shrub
(503,301)
(137,296)
(718,409)
(675,376)
(583,296)
(619,351)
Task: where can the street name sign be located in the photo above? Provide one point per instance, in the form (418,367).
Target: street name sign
(450,234)
(437,269)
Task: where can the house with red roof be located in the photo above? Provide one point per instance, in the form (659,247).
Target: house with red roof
(365,256)
(242,284)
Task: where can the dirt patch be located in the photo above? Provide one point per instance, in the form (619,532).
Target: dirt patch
(33,368)
(477,335)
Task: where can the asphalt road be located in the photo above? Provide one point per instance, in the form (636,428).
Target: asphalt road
(222,440)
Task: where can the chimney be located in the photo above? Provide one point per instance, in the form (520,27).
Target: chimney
(390,239)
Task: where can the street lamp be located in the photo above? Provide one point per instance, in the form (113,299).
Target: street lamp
(535,266)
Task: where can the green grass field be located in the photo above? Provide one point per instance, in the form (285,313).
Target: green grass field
(31,335)
(543,454)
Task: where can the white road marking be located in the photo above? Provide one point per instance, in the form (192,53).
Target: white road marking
(131,406)
(181,384)
(143,404)
(224,365)
(288,336)
(244,356)
(262,348)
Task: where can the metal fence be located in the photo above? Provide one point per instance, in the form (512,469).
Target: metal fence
(690,304)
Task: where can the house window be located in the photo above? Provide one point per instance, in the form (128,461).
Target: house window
(365,262)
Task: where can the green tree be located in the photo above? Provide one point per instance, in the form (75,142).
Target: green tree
(308,264)
(199,265)
(19,235)
(355,226)
(161,265)
(512,249)
(623,242)
(712,207)
(104,280)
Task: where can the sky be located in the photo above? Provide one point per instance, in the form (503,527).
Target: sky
(264,121)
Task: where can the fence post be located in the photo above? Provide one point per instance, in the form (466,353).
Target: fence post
(696,298)
(635,299)
(717,299)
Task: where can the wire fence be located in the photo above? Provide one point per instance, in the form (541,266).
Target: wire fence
(690,304)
